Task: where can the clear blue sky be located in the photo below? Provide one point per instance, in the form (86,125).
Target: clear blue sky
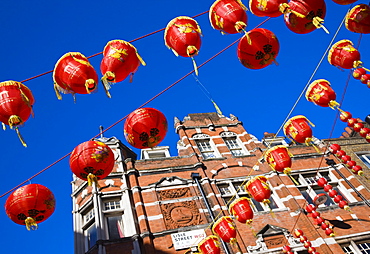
(35,34)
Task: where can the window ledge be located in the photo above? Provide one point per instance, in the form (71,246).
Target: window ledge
(213,159)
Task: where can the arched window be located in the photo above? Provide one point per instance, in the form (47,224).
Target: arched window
(233,143)
(205,146)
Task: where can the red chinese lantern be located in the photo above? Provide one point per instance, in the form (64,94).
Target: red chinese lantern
(358,19)
(310,208)
(228,16)
(258,48)
(340,154)
(287,250)
(357,169)
(298,128)
(364,132)
(224,227)
(278,158)
(92,161)
(120,59)
(322,182)
(297,233)
(145,128)
(74,74)
(183,36)
(210,245)
(313,12)
(268,8)
(345,116)
(358,73)
(16,102)
(242,211)
(334,148)
(343,54)
(320,93)
(29,205)
(258,188)
(344,2)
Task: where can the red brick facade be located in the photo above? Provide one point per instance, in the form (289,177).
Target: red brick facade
(164,199)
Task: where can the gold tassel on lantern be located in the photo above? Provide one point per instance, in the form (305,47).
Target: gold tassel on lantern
(89,85)
(57,92)
(318,23)
(20,137)
(193,51)
(14,120)
(91,178)
(106,80)
(30,223)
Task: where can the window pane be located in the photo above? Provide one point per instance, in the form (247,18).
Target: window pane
(111,205)
(231,143)
(89,215)
(115,229)
(257,205)
(365,159)
(204,145)
(238,152)
(364,247)
(91,236)
(306,195)
(224,189)
(208,155)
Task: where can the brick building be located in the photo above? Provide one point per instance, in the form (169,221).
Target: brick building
(166,204)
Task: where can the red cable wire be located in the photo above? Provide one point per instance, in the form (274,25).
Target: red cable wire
(149,34)
(120,120)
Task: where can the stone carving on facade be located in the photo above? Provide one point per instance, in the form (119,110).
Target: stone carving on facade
(174,193)
(201,136)
(260,245)
(227,134)
(272,237)
(180,214)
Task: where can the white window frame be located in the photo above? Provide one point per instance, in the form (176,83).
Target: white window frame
(228,135)
(356,247)
(88,222)
(212,152)
(274,141)
(116,211)
(237,192)
(364,157)
(312,189)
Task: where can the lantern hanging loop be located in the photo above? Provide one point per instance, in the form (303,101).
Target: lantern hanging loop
(285,8)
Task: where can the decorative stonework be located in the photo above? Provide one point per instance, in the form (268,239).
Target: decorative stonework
(274,241)
(226,134)
(174,193)
(180,214)
(201,136)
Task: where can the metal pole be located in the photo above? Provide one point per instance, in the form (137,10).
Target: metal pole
(196,177)
(332,163)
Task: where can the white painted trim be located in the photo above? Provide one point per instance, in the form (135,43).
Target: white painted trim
(354,216)
(287,198)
